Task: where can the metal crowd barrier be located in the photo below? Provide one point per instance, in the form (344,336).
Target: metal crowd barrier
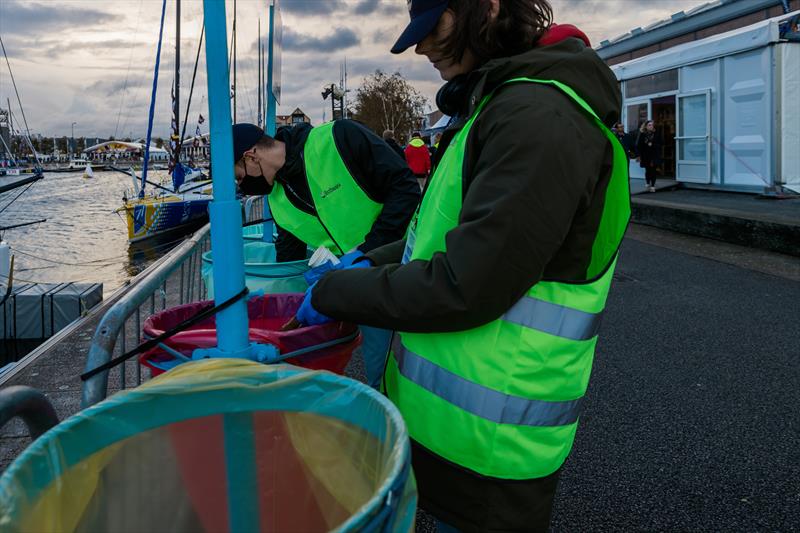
(173,280)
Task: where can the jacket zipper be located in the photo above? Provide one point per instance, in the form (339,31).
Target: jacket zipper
(312,208)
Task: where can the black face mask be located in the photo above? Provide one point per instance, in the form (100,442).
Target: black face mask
(254,186)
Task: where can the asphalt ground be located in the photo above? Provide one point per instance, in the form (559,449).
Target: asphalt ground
(691,418)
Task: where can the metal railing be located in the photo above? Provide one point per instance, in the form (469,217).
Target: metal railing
(175,279)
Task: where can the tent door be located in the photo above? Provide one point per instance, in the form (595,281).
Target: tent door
(693,142)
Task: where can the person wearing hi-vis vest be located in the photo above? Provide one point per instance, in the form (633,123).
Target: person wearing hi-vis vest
(497,290)
(337,185)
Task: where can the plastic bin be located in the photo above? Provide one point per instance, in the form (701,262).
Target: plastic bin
(326,347)
(217,446)
(261,271)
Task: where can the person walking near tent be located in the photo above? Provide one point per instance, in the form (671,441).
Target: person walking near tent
(435,144)
(388,137)
(624,139)
(418,158)
(337,185)
(496,292)
(649,149)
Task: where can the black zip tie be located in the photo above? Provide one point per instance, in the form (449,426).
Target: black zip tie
(205,313)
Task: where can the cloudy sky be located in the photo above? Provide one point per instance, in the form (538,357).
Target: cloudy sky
(91,61)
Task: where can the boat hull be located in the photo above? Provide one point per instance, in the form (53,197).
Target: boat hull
(155,217)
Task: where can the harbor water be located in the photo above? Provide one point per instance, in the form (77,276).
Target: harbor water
(82,240)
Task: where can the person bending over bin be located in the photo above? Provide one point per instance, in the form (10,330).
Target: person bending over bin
(496,292)
(337,185)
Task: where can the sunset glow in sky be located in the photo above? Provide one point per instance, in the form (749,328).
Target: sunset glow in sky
(91,61)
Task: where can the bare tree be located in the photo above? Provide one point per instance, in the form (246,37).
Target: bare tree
(386,102)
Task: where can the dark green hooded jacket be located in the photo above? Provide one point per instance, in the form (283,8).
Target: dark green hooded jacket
(535,172)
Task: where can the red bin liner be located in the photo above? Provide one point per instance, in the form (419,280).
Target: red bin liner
(266,315)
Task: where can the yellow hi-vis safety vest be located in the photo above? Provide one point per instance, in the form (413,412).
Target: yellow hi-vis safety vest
(345,213)
(503,399)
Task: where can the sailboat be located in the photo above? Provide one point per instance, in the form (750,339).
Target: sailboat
(88,172)
(184,206)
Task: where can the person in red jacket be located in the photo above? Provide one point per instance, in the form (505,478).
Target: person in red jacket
(418,158)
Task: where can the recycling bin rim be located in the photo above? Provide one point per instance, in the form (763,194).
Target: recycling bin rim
(207,259)
(178,403)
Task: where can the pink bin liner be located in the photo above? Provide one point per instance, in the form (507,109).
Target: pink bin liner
(266,316)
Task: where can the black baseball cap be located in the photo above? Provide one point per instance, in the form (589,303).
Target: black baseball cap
(425,14)
(245,136)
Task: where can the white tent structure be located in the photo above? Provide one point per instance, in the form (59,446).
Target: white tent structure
(122,147)
(735,102)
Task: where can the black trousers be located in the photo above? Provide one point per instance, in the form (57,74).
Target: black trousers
(650,174)
(473,503)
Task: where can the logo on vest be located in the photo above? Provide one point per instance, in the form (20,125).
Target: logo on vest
(332,190)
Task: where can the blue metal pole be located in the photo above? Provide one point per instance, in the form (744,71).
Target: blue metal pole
(271,103)
(268,227)
(225,211)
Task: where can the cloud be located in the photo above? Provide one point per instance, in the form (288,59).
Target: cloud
(340,39)
(366,7)
(109,87)
(97,44)
(18,17)
(54,49)
(311,7)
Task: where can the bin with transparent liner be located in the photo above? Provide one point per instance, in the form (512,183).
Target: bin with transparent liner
(220,445)
(262,271)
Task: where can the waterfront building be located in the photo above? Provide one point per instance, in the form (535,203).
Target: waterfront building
(297,116)
(722,83)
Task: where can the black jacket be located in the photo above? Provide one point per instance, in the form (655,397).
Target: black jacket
(648,146)
(535,173)
(396,147)
(377,169)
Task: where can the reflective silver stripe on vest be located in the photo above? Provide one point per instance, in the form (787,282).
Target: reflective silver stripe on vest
(480,400)
(554,319)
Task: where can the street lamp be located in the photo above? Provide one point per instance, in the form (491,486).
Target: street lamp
(72,144)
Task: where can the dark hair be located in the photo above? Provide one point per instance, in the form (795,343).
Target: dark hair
(519,24)
(265,142)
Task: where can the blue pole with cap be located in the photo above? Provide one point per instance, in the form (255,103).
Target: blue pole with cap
(225,210)
(227,245)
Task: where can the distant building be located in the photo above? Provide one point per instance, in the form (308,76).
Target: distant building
(722,83)
(124,150)
(197,148)
(297,117)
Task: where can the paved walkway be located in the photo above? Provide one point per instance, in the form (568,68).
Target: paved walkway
(738,218)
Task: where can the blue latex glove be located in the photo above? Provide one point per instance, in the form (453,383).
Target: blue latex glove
(307,315)
(353,257)
(313,275)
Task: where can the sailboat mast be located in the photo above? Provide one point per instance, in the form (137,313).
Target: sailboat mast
(11,127)
(234,61)
(177,104)
(259,73)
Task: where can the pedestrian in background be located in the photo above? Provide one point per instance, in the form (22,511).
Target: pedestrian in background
(418,158)
(436,138)
(624,139)
(496,292)
(388,136)
(648,147)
